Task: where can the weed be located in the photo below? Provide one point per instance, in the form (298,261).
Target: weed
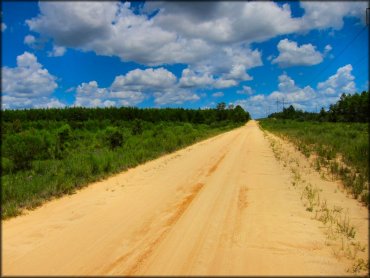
(344,227)
(359,265)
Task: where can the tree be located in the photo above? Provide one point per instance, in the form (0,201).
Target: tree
(221,106)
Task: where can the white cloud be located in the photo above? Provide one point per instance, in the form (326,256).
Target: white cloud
(117,31)
(29,39)
(224,22)
(327,14)
(341,82)
(90,95)
(238,72)
(176,96)
(190,78)
(49,103)
(224,83)
(213,39)
(28,79)
(328,48)
(111,28)
(290,92)
(143,79)
(134,87)
(57,51)
(245,91)
(290,54)
(306,98)
(189,33)
(218,94)
(3,27)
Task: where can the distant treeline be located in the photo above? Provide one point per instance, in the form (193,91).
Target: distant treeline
(78,114)
(349,108)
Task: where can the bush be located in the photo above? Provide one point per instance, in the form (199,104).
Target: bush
(114,137)
(63,135)
(7,165)
(26,146)
(137,127)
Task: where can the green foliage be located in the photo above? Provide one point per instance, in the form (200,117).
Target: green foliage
(63,135)
(77,117)
(329,141)
(114,137)
(23,147)
(137,127)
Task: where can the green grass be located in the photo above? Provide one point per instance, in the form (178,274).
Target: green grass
(87,157)
(330,142)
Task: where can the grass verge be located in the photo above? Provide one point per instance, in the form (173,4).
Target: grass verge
(341,149)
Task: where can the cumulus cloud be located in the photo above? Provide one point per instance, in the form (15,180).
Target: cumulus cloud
(322,15)
(28,84)
(148,78)
(91,95)
(28,78)
(112,28)
(245,91)
(341,82)
(57,51)
(327,48)
(213,39)
(290,54)
(225,22)
(191,78)
(306,98)
(175,96)
(115,30)
(29,39)
(133,88)
(179,32)
(218,94)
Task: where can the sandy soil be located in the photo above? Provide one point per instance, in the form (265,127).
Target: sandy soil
(224,206)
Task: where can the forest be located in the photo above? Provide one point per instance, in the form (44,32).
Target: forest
(349,108)
(51,152)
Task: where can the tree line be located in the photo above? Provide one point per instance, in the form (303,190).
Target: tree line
(154,115)
(349,108)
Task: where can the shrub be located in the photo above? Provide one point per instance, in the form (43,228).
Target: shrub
(7,165)
(137,127)
(26,146)
(114,137)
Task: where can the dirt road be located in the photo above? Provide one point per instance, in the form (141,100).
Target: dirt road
(223,206)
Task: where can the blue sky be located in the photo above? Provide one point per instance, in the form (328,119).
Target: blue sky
(192,55)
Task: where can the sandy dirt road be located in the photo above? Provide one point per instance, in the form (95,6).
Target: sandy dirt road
(223,206)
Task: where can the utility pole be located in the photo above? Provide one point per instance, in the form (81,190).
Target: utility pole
(283,104)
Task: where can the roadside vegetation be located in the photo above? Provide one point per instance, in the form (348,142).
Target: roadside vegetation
(51,152)
(340,147)
(341,233)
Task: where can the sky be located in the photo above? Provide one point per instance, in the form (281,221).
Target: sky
(261,55)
